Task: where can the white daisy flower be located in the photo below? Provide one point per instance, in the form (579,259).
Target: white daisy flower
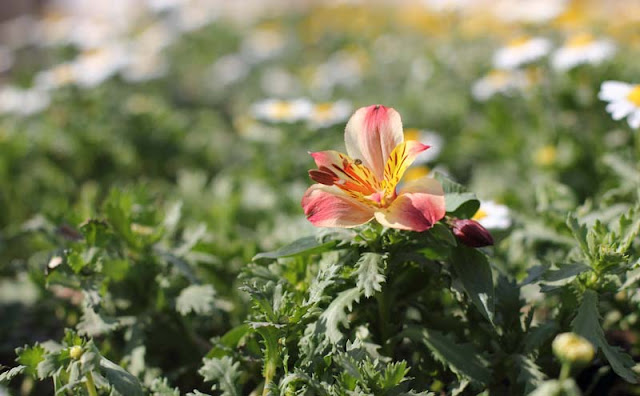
(447,5)
(624,101)
(344,68)
(493,216)
(430,138)
(227,70)
(504,82)
(330,113)
(532,11)
(582,49)
(275,110)
(278,81)
(55,77)
(23,102)
(263,44)
(93,67)
(521,51)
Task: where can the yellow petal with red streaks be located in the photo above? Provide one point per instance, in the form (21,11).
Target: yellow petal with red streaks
(400,159)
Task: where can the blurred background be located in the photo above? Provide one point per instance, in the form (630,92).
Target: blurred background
(193,119)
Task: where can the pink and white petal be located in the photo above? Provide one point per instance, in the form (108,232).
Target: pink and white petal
(612,90)
(371,135)
(329,206)
(413,211)
(634,119)
(418,207)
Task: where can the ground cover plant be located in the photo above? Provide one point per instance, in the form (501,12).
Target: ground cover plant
(328,198)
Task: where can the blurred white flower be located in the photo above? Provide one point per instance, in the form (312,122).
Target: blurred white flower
(24,102)
(430,138)
(227,70)
(6,58)
(521,51)
(262,44)
(144,66)
(493,216)
(495,82)
(447,5)
(624,101)
(192,15)
(277,81)
(275,110)
(257,195)
(19,32)
(582,49)
(55,77)
(344,68)
(330,113)
(93,67)
(532,11)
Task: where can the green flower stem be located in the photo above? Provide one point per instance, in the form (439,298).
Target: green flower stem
(565,370)
(91,387)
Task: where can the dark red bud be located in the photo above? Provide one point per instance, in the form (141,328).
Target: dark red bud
(471,233)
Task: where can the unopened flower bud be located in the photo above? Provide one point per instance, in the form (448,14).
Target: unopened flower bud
(572,348)
(75,352)
(471,233)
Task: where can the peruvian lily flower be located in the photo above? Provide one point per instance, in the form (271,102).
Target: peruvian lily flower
(353,189)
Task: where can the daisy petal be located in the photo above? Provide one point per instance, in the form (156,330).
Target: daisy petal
(612,90)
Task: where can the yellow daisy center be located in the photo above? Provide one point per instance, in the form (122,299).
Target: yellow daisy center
(480,214)
(518,42)
(281,110)
(415,173)
(412,134)
(634,95)
(546,155)
(580,40)
(322,111)
(498,77)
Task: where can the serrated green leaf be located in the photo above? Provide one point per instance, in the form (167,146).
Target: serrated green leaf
(474,272)
(230,340)
(335,314)
(529,373)
(370,270)
(93,324)
(160,387)
(462,359)
(302,246)
(199,299)
(30,357)
(224,372)
(8,375)
(538,335)
(122,381)
(587,324)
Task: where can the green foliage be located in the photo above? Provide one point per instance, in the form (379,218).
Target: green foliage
(152,241)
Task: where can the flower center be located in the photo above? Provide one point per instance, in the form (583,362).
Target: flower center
(580,40)
(518,42)
(281,110)
(322,111)
(480,214)
(634,95)
(411,134)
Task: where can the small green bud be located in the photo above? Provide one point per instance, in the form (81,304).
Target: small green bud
(572,348)
(75,352)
